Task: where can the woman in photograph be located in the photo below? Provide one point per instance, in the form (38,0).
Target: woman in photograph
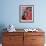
(27,15)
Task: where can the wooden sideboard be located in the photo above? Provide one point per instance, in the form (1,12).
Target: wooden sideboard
(23,39)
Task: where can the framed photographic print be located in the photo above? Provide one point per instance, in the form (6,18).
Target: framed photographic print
(26,13)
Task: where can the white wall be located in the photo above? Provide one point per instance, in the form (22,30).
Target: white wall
(10,13)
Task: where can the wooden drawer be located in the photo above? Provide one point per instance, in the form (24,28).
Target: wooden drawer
(8,44)
(12,39)
(37,44)
(13,44)
(34,33)
(37,39)
(27,41)
(13,33)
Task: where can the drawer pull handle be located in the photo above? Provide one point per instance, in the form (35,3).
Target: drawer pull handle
(33,39)
(11,38)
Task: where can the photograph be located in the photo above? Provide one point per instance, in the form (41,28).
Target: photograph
(26,13)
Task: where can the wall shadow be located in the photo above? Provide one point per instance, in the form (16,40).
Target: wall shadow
(2,29)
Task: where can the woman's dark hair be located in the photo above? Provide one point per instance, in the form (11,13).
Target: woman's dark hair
(28,8)
(23,16)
